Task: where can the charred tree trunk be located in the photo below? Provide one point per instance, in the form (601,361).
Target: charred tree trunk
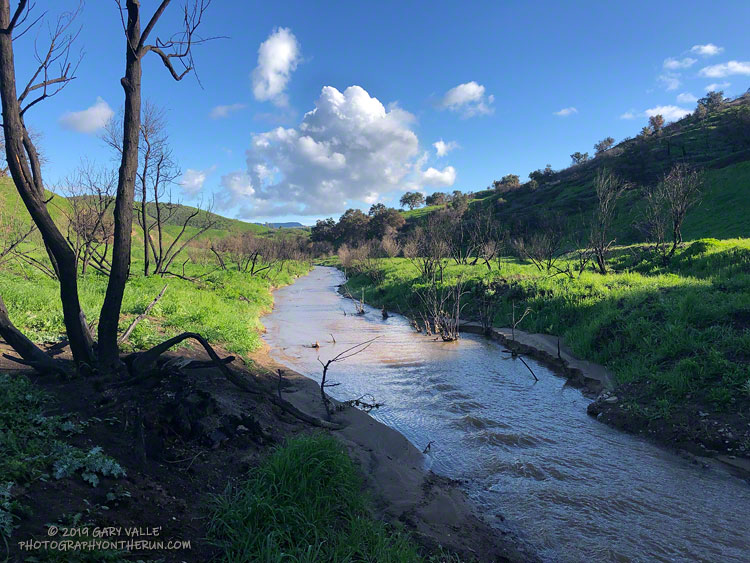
(123,214)
(25,169)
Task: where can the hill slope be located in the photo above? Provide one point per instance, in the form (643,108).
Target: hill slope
(719,143)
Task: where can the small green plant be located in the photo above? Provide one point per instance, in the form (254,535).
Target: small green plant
(70,460)
(6,507)
(746,388)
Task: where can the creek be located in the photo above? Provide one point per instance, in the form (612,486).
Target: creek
(573,487)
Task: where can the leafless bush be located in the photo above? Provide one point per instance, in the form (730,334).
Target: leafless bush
(609,188)
(442,305)
(667,204)
(249,253)
(390,246)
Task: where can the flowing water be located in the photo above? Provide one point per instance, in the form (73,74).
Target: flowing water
(576,489)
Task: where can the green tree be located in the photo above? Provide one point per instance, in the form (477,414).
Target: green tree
(604,145)
(437,198)
(324,230)
(385,223)
(352,227)
(656,122)
(579,157)
(712,101)
(412,199)
(376,209)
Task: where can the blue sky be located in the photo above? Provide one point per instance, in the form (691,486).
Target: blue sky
(390,79)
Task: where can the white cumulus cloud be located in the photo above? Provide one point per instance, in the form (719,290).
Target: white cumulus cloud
(669,113)
(631,114)
(278,57)
(716,86)
(219,112)
(442,148)
(469,99)
(192,180)
(686,98)
(90,119)
(238,186)
(726,69)
(707,50)
(565,112)
(438,178)
(670,80)
(676,64)
(350,148)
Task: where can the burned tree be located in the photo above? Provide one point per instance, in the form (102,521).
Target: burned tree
(544,245)
(428,247)
(668,203)
(177,49)
(609,188)
(54,71)
(156,170)
(681,191)
(90,194)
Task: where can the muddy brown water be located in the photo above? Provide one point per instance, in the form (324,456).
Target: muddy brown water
(574,488)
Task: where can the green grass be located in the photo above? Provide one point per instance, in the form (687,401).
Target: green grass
(681,332)
(305,503)
(225,306)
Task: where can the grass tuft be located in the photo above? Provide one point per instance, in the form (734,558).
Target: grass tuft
(305,503)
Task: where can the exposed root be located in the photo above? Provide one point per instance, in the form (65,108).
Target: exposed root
(142,365)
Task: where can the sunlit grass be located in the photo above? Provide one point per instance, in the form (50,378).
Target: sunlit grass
(305,503)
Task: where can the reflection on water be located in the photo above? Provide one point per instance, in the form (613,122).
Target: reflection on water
(579,490)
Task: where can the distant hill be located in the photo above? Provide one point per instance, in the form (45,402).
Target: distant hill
(719,143)
(288,225)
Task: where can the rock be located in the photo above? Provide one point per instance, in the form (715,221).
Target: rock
(216,438)
(611,400)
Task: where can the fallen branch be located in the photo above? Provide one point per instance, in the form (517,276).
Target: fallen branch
(140,317)
(341,356)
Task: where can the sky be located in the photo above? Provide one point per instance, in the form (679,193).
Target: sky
(300,110)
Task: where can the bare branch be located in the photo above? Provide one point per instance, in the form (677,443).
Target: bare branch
(142,316)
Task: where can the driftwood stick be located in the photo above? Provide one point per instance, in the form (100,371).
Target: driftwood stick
(140,317)
(527,367)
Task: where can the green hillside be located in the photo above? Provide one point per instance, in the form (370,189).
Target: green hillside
(59,207)
(719,143)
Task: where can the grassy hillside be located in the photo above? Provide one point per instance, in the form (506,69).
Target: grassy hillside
(719,143)
(59,208)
